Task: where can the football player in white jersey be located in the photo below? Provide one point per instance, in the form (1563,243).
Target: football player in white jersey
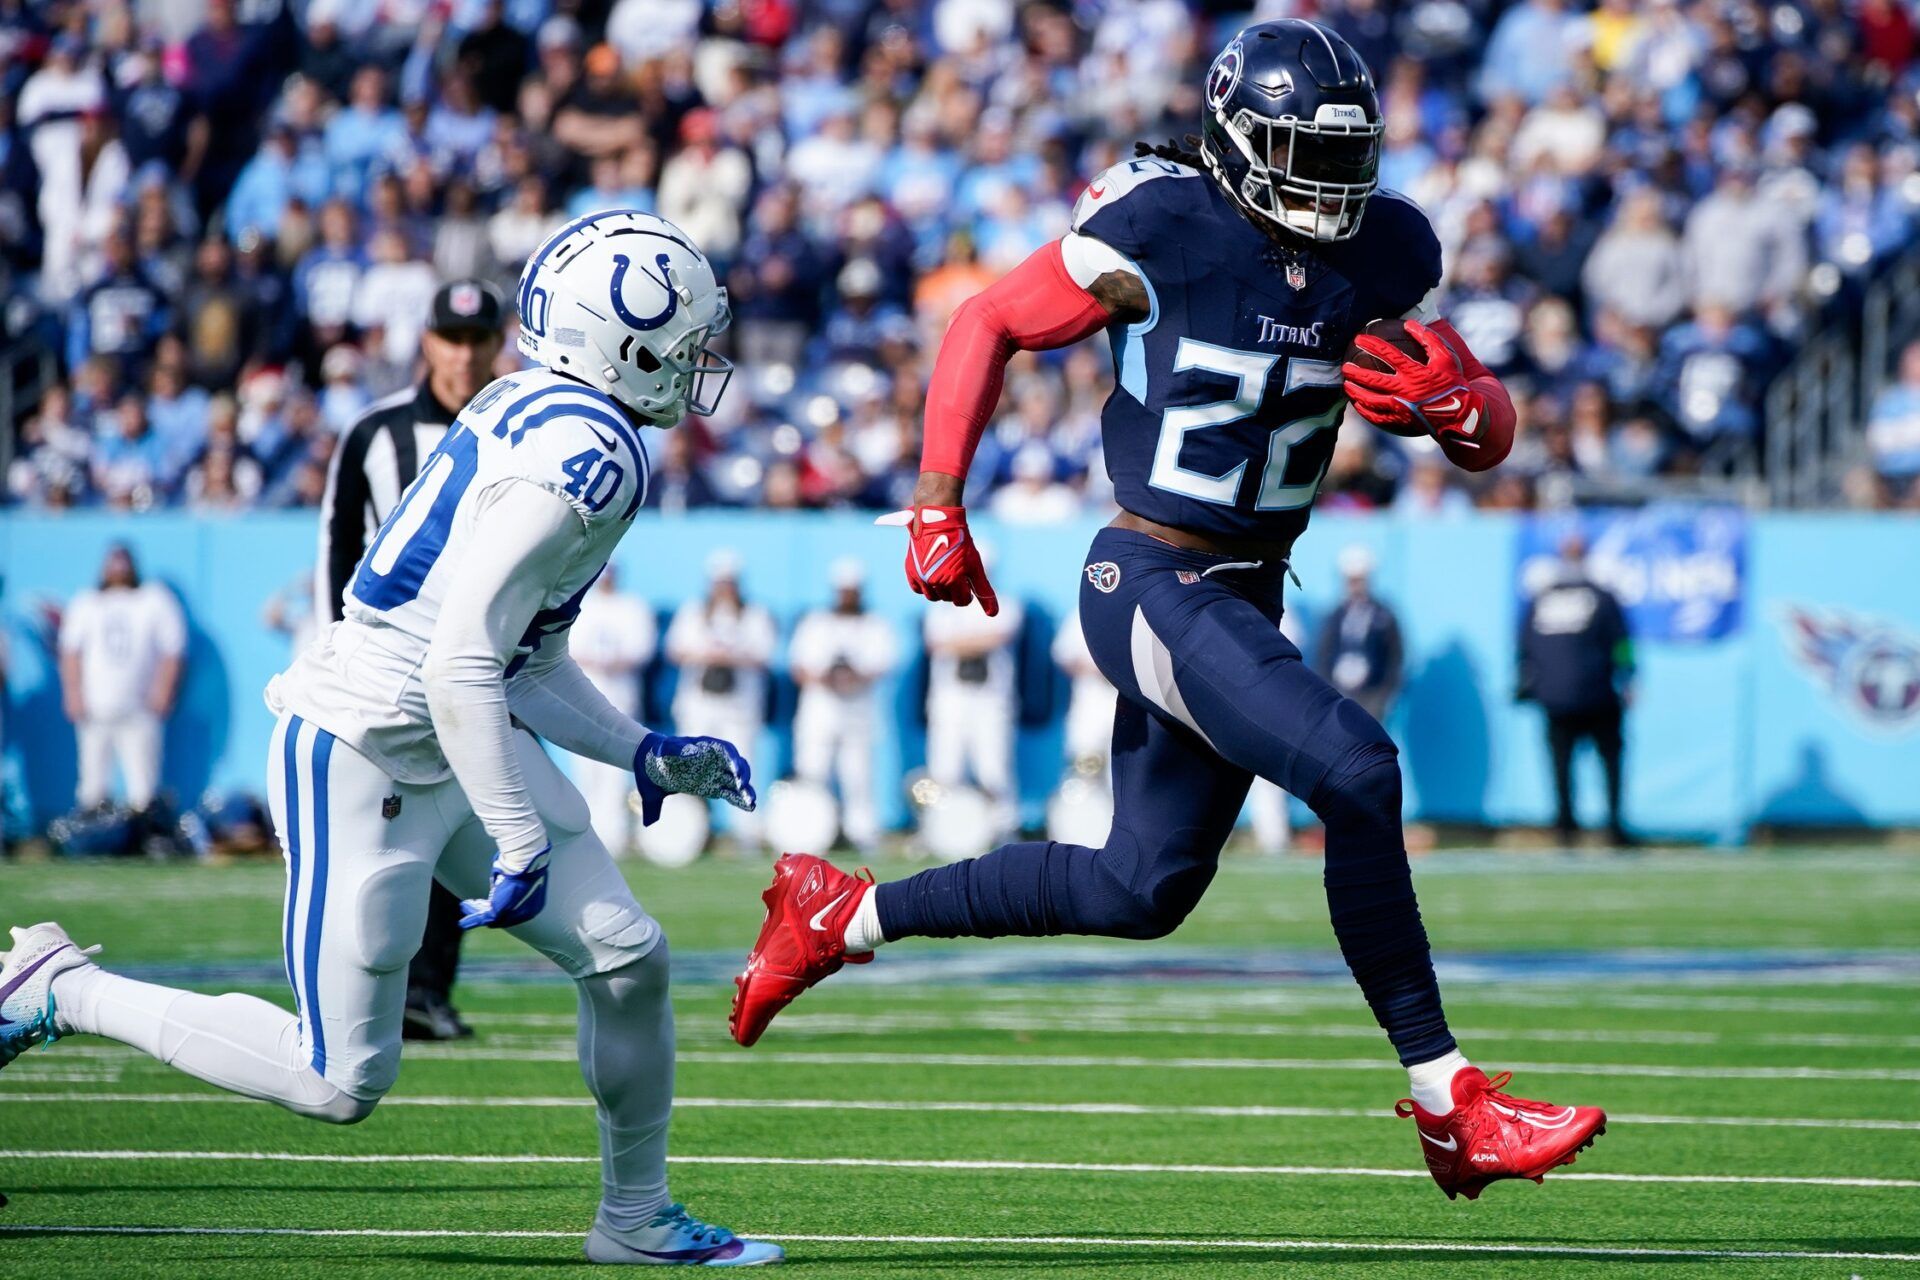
(399,756)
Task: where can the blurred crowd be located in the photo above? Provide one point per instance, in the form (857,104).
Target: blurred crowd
(230,215)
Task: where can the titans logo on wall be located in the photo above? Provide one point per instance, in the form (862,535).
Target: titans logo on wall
(1870,667)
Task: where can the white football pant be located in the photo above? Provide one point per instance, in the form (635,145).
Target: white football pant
(833,739)
(361,852)
(970,731)
(133,740)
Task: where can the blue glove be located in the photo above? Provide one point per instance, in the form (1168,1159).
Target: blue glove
(514,897)
(706,767)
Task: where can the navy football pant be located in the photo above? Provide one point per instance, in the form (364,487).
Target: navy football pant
(1211,694)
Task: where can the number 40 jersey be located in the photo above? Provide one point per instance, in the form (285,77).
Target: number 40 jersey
(1228,394)
(361,678)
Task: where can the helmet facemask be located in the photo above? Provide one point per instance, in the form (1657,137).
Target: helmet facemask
(1311,177)
(635,317)
(688,377)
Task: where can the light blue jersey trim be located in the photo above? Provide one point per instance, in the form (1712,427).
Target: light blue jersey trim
(1130,346)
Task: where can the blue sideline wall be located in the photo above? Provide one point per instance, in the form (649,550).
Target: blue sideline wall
(1780,660)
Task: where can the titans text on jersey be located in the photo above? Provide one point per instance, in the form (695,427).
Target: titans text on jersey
(1228,395)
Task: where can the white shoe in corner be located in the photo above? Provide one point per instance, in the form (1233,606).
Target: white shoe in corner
(40,953)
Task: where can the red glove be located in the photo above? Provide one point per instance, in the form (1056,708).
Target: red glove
(943,560)
(1436,395)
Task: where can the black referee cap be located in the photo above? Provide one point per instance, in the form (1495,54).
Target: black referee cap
(466,305)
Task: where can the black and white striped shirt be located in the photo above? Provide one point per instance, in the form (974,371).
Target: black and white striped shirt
(376,460)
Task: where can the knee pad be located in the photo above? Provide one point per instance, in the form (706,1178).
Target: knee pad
(339,1107)
(1148,906)
(646,978)
(591,923)
(1365,788)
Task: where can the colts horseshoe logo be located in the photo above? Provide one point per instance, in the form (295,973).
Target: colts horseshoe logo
(665,280)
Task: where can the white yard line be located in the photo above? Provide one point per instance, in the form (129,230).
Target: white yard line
(888,1024)
(1289,1064)
(1003,1166)
(1115,1242)
(563,1051)
(965,1107)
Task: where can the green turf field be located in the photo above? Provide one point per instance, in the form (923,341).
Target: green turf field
(1216,1104)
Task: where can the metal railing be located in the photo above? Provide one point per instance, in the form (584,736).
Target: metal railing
(1818,405)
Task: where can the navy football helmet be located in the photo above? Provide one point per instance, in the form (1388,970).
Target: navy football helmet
(1291,128)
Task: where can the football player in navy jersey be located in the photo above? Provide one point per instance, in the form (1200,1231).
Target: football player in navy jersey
(1230,281)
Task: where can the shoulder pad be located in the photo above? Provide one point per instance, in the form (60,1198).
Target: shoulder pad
(1122,204)
(1399,250)
(546,422)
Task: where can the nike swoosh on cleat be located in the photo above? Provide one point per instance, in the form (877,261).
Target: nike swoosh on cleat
(819,915)
(728,1250)
(1537,1119)
(1450,1144)
(20,978)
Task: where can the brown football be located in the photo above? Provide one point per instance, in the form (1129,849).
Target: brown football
(1394,332)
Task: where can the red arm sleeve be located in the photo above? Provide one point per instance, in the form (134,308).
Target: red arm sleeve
(1034,307)
(1489,448)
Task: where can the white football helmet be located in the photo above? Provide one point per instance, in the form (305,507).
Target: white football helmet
(623,301)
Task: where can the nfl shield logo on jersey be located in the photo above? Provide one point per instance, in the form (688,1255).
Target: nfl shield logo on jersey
(390,808)
(1296,275)
(1104,576)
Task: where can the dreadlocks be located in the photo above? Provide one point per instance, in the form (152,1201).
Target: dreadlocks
(1188,155)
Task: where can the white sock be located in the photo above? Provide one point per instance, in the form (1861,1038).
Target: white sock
(863,931)
(237,1042)
(1433,1081)
(626,1056)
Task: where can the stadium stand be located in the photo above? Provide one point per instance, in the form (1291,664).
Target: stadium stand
(220,222)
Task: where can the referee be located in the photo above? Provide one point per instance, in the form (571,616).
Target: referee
(375,462)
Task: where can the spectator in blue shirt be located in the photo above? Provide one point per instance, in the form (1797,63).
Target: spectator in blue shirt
(275,175)
(326,277)
(1530,51)
(1713,374)
(459,125)
(620,181)
(776,283)
(1860,222)
(365,130)
(1893,428)
(121,314)
(129,463)
(177,416)
(153,113)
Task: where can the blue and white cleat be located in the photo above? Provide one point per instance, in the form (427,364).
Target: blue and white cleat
(678,1239)
(40,953)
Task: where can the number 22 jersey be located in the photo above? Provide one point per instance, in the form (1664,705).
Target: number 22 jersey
(361,678)
(1228,394)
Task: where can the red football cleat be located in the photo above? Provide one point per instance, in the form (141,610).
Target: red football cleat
(803,939)
(1490,1135)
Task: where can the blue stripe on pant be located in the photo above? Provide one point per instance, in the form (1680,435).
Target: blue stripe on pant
(289,755)
(317,895)
(304,976)
(1211,694)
